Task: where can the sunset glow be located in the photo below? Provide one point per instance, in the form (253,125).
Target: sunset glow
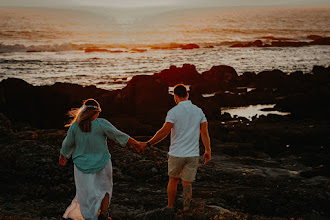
(158,3)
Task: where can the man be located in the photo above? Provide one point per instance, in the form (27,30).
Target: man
(186,122)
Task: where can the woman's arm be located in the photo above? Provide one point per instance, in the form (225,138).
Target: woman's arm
(114,134)
(68,144)
(62,160)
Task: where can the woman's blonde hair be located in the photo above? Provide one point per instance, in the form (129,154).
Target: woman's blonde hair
(83,116)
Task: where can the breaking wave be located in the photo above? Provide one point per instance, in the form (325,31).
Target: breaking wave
(38,48)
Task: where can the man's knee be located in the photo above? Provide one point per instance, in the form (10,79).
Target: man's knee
(185,183)
(174,180)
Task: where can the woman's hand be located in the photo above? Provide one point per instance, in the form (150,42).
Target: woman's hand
(62,160)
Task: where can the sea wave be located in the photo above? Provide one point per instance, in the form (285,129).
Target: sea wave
(4,48)
(140,48)
(137,48)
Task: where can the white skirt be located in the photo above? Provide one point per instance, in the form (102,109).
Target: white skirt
(90,191)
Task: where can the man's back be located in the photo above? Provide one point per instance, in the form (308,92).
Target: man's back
(185,133)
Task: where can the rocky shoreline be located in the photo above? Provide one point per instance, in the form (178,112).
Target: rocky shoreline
(274,167)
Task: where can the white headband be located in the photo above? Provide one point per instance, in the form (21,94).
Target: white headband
(84,107)
(91,106)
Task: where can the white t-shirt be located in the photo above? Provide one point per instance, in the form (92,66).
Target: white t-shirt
(185,133)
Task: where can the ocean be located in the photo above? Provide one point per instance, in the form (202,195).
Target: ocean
(44,46)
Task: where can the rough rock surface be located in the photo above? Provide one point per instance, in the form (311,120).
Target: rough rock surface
(265,169)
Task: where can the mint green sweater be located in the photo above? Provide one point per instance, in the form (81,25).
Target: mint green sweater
(89,150)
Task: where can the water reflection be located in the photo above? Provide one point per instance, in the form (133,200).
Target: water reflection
(252,110)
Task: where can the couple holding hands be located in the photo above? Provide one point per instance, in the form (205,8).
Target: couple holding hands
(86,143)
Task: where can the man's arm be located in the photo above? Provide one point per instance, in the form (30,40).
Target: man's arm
(206,141)
(160,135)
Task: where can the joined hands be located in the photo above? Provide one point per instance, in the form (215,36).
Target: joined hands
(140,146)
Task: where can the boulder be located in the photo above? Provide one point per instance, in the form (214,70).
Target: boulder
(246,78)
(270,79)
(218,78)
(42,106)
(147,98)
(187,74)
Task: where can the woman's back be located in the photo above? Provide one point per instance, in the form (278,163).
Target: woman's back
(89,150)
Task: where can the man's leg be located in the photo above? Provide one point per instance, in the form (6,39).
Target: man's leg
(171,191)
(186,194)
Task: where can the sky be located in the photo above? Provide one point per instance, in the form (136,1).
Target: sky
(159,3)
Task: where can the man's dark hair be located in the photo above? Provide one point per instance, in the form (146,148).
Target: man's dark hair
(180,90)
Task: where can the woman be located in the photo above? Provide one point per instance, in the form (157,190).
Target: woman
(86,143)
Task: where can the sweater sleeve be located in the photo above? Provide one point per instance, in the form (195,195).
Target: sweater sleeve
(68,145)
(114,134)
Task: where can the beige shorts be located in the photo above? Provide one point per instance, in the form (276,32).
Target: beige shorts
(183,167)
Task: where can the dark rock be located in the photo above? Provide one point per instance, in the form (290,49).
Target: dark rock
(147,98)
(226,117)
(314,37)
(271,79)
(239,45)
(158,214)
(257,43)
(308,104)
(175,46)
(288,44)
(189,46)
(297,75)
(246,78)
(321,41)
(5,126)
(42,106)
(323,170)
(139,50)
(187,74)
(89,50)
(218,78)
(275,38)
(322,73)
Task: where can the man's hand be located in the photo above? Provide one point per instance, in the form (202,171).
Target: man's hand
(62,160)
(143,145)
(207,157)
